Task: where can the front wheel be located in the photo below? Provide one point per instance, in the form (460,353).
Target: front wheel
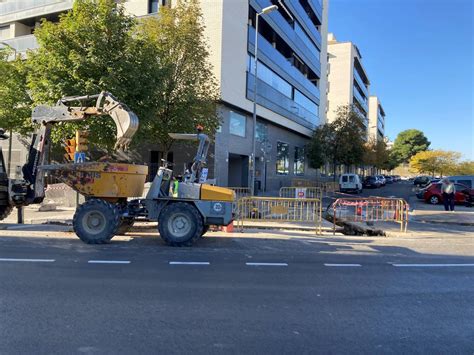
(180,224)
(96,221)
(434,200)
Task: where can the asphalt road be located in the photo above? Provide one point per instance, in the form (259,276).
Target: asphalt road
(61,296)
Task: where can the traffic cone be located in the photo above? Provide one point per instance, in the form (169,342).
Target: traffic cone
(229,228)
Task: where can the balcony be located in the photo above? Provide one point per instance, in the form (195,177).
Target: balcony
(360,99)
(21,44)
(317,7)
(361,83)
(302,17)
(280,65)
(285,31)
(13,10)
(275,101)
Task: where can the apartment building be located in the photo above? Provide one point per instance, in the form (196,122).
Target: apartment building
(376,119)
(348,83)
(291,83)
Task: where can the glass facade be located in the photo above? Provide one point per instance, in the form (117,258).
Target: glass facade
(306,103)
(283,158)
(237,124)
(305,38)
(298,164)
(270,77)
(261,132)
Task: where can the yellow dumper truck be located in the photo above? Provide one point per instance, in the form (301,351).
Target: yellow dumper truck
(184,210)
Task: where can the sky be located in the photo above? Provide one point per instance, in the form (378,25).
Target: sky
(418,55)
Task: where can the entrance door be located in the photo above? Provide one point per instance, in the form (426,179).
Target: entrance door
(238,170)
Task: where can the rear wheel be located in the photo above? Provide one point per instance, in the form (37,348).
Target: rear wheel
(5,211)
(434,200)
(96,221)
(180,224)
(5,207)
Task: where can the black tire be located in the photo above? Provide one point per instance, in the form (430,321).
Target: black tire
(96,221)
(125,225)
(180,224)
(5,211)
(205,229)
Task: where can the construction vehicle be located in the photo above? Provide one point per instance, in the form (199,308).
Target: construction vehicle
(184,210)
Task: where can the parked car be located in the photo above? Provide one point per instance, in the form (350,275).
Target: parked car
(381,179)
(422,180)
(467,180)
(388,179)
(371,182)
(350,183)
(432,194)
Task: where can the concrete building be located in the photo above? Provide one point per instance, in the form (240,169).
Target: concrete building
(348,83)
(376,119)
(291,84)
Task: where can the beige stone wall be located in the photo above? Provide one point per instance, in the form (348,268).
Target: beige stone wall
(373,109)
(136,7)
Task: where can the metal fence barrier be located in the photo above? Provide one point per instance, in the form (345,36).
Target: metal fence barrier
(301,192)
(274,209)
(240,191)
(371,209)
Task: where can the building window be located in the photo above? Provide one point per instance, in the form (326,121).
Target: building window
(153,6)
(283,158)
(298,165)
(270,77)
(237,124)
(261,132)
(5,32)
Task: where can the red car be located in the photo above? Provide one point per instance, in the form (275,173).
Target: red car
(433,194)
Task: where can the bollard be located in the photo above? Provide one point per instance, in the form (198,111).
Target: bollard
(21,218)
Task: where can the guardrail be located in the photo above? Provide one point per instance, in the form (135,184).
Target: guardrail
(371,209)
(274,209)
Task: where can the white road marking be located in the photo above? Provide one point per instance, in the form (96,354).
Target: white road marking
(431,265)
(29,260)
(266,264)
(342,265)
(189,263)
(108,262)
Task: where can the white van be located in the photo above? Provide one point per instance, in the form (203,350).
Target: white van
(349,183)
(467,180)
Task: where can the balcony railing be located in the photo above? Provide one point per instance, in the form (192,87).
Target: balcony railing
(275,101)
(279,64)
(21,44)
(361,83)
(11,6)
(296,8)
(360,99)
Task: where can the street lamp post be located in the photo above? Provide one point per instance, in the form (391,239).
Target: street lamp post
(265,10)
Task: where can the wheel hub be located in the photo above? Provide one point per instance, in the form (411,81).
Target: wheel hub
(180,225)
(95,222)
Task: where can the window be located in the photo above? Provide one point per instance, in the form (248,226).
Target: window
(153,6)
(309,43)
(4,32)
(463,185)
(261,132)
(270,77)
(298,165)
(283,158)
(237,124)
(306,103)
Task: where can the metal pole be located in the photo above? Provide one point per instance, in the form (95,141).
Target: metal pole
(10,153)
(254,130)
(21,219)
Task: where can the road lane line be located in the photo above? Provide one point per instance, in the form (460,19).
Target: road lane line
(108,262)
(189,263)
(431,265)
(342,265)
(266,264)
(29,260)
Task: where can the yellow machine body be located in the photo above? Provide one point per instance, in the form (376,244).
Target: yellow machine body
(104,180)
(215,193)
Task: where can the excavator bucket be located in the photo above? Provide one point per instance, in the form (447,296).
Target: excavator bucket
(127,125)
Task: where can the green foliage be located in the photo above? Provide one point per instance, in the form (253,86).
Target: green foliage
(377,155)
(15,103)
(435,162)
(339,142)
(187,93)
(91,49)
(407,144)
(464,168)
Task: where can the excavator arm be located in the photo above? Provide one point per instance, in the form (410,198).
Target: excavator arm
(46,116)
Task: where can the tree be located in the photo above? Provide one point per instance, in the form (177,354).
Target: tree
(464,168)
(377,155)
(407,144)
(435,162)
(15,110)
(15,103)
(92,48)
(187,93)
(340,142)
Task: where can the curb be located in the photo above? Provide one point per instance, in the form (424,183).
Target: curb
(442,222)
